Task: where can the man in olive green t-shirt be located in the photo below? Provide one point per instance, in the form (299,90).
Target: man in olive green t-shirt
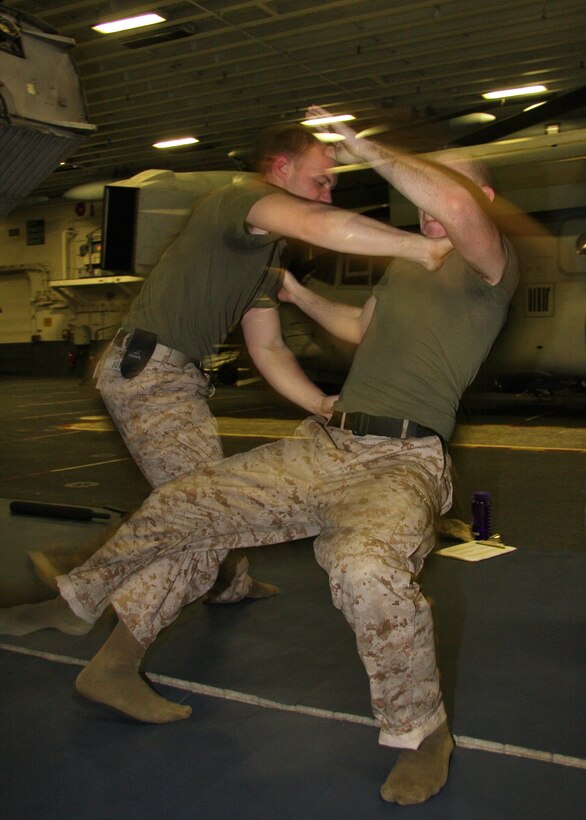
(369,483)
(224,269)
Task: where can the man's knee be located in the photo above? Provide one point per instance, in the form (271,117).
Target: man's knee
(368,577)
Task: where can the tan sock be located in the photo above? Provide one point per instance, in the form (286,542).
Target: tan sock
(112,678)
(420,773)
(230,569)
(53,614)
(262,590)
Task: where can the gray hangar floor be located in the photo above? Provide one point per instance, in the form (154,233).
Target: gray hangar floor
(281,724)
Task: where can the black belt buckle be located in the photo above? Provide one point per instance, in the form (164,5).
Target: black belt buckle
(141,346)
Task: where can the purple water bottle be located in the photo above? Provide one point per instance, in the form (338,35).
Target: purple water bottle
(481,515)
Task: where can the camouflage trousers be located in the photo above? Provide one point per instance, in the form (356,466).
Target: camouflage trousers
(165,421)
(372,502)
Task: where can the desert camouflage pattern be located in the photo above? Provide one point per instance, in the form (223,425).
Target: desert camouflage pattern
(372,504)
(162,415)
(165,421)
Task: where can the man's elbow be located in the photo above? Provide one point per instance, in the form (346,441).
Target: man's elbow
(269,355)
(458,208)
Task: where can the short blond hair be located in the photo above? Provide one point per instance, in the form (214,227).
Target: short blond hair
(293,140)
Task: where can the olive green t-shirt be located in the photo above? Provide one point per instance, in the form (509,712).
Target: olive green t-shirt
(210,275)
(427,338)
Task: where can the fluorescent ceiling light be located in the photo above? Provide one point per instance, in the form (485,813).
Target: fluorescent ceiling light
(176,142)
(373,131)
(327,120)
(535,105)
(344,169)
(475,118)
(128,23)
(330,137)
(514,92)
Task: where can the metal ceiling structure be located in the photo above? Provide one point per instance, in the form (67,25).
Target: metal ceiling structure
(221,71)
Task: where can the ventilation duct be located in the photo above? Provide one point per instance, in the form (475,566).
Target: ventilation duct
(42,111)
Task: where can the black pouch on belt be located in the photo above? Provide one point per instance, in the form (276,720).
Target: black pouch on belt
(140,348)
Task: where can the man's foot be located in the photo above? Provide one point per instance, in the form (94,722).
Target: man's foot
(112,678)
(420,773)
(258,590)
(454,529)
(122,688)
(53,614)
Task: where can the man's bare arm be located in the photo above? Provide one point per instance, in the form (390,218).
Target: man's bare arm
(455,202)
(347,322)
(440,191)
(344,231)
(278,365)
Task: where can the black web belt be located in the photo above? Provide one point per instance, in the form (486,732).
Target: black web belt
(361,424)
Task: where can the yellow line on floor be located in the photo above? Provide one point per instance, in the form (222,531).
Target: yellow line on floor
(486,436)
(519,437)
(540,449)
(67,432)
(91,464)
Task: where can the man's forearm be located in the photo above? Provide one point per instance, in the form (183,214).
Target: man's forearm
(282,371)
(351,233)
(339,319)
(342,231)
(429,186)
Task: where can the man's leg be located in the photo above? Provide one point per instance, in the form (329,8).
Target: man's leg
(169,552)
(164,418)
(379,528)
(165,421)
